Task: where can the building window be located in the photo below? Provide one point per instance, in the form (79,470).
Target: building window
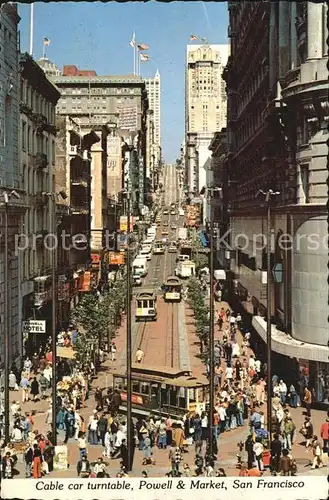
(305,183)
(24,136)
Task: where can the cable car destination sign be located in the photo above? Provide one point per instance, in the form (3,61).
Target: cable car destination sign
(34,326)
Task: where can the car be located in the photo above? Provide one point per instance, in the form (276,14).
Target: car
(165,224)
(173,226)
(172,249)
(137,280)
(164,233)
(173,212)
(165,212)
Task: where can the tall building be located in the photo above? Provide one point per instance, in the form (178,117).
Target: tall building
(277,131)
(205,110)
(104,103)
(38,98)
(153,89)
(12,198)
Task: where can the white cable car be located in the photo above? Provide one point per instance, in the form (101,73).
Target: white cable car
(172,289)
(159,248)
(146,308)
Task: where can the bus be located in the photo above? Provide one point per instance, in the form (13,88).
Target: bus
(172,289)
(146,307)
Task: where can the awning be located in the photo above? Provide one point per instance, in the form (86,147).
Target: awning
(65,352)
(283,343)
(220,274)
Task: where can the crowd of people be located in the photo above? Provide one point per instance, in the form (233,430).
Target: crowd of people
(240,398)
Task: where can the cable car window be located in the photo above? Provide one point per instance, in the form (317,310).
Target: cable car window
(145,388)
(191,395)
(154,389)
(173,396)
(136,386)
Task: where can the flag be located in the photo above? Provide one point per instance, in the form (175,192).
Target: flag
(193,38)
(142,46)
(144,57)
(132,42)
(204,40)
(46,41)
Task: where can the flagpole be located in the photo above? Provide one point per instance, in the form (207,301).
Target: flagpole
(44,49)
(134,51)
(31,28)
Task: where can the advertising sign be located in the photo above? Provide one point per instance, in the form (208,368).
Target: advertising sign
(124,223)
(61,458)
(85,284)
(128,117)
(138,400)
(95,259)
(34,326)
(116,258)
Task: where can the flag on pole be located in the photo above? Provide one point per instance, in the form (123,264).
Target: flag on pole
(144,57)
(142,46)
(193,38)
(132,42)
(46,41)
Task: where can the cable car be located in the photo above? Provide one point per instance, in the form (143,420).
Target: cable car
(173,394)
(172,289)
(146,309)
(159,248)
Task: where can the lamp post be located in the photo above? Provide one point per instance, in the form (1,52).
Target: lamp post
(130,443)
(7,323)
(54,291)
(210,191)
(269,194)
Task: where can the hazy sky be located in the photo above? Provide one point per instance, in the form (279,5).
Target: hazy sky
(96,36)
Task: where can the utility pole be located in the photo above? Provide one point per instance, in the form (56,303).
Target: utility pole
(130,442)
(211,332)
(268,196)
(52,214)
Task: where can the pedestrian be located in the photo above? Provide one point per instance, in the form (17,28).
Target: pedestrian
(43,385)
(258,450)
(293,396)
(92,428)
(25,388)
(82,444)
(83,467)
(285,463)
(317,453)
(162,434)
(124,453)
(276,450)
(99,399)
(147,451)
(288,430)
(27,365)
(7,466)
(12,381)
(307,401)
(139,355)
(282,392)
(102,428)
(324,433)
(113,351)
(28,459)
(35,389)
(37,460)
(175,457)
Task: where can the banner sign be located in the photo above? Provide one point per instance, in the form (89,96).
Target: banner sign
(34,326)
(86,281)
(116,259)
(194,488)
(95,259)
(124,223)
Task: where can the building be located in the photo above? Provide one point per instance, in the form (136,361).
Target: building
(277,133)
(205,108)
(12,198)
(116,103)
(73,178)
(153,89)
(49,68)
(38,98)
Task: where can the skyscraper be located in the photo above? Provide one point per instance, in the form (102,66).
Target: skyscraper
(205,106)
(153,89)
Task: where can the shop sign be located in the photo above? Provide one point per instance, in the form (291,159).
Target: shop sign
(61,458)
(124,223)
(34,326)
(197,407)
(95,259)
(138,400)
(86,281)
(116,258)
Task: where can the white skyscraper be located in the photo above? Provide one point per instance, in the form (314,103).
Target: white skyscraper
(153,88)
(205,107)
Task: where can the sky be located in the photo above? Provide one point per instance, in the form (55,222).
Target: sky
(97,35)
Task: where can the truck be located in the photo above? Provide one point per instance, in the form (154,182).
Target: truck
(140,266)
(181,233)
(185,269)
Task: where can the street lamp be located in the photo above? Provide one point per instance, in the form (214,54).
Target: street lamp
(52,219)
(269,194)
(7,323)
(211,192)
